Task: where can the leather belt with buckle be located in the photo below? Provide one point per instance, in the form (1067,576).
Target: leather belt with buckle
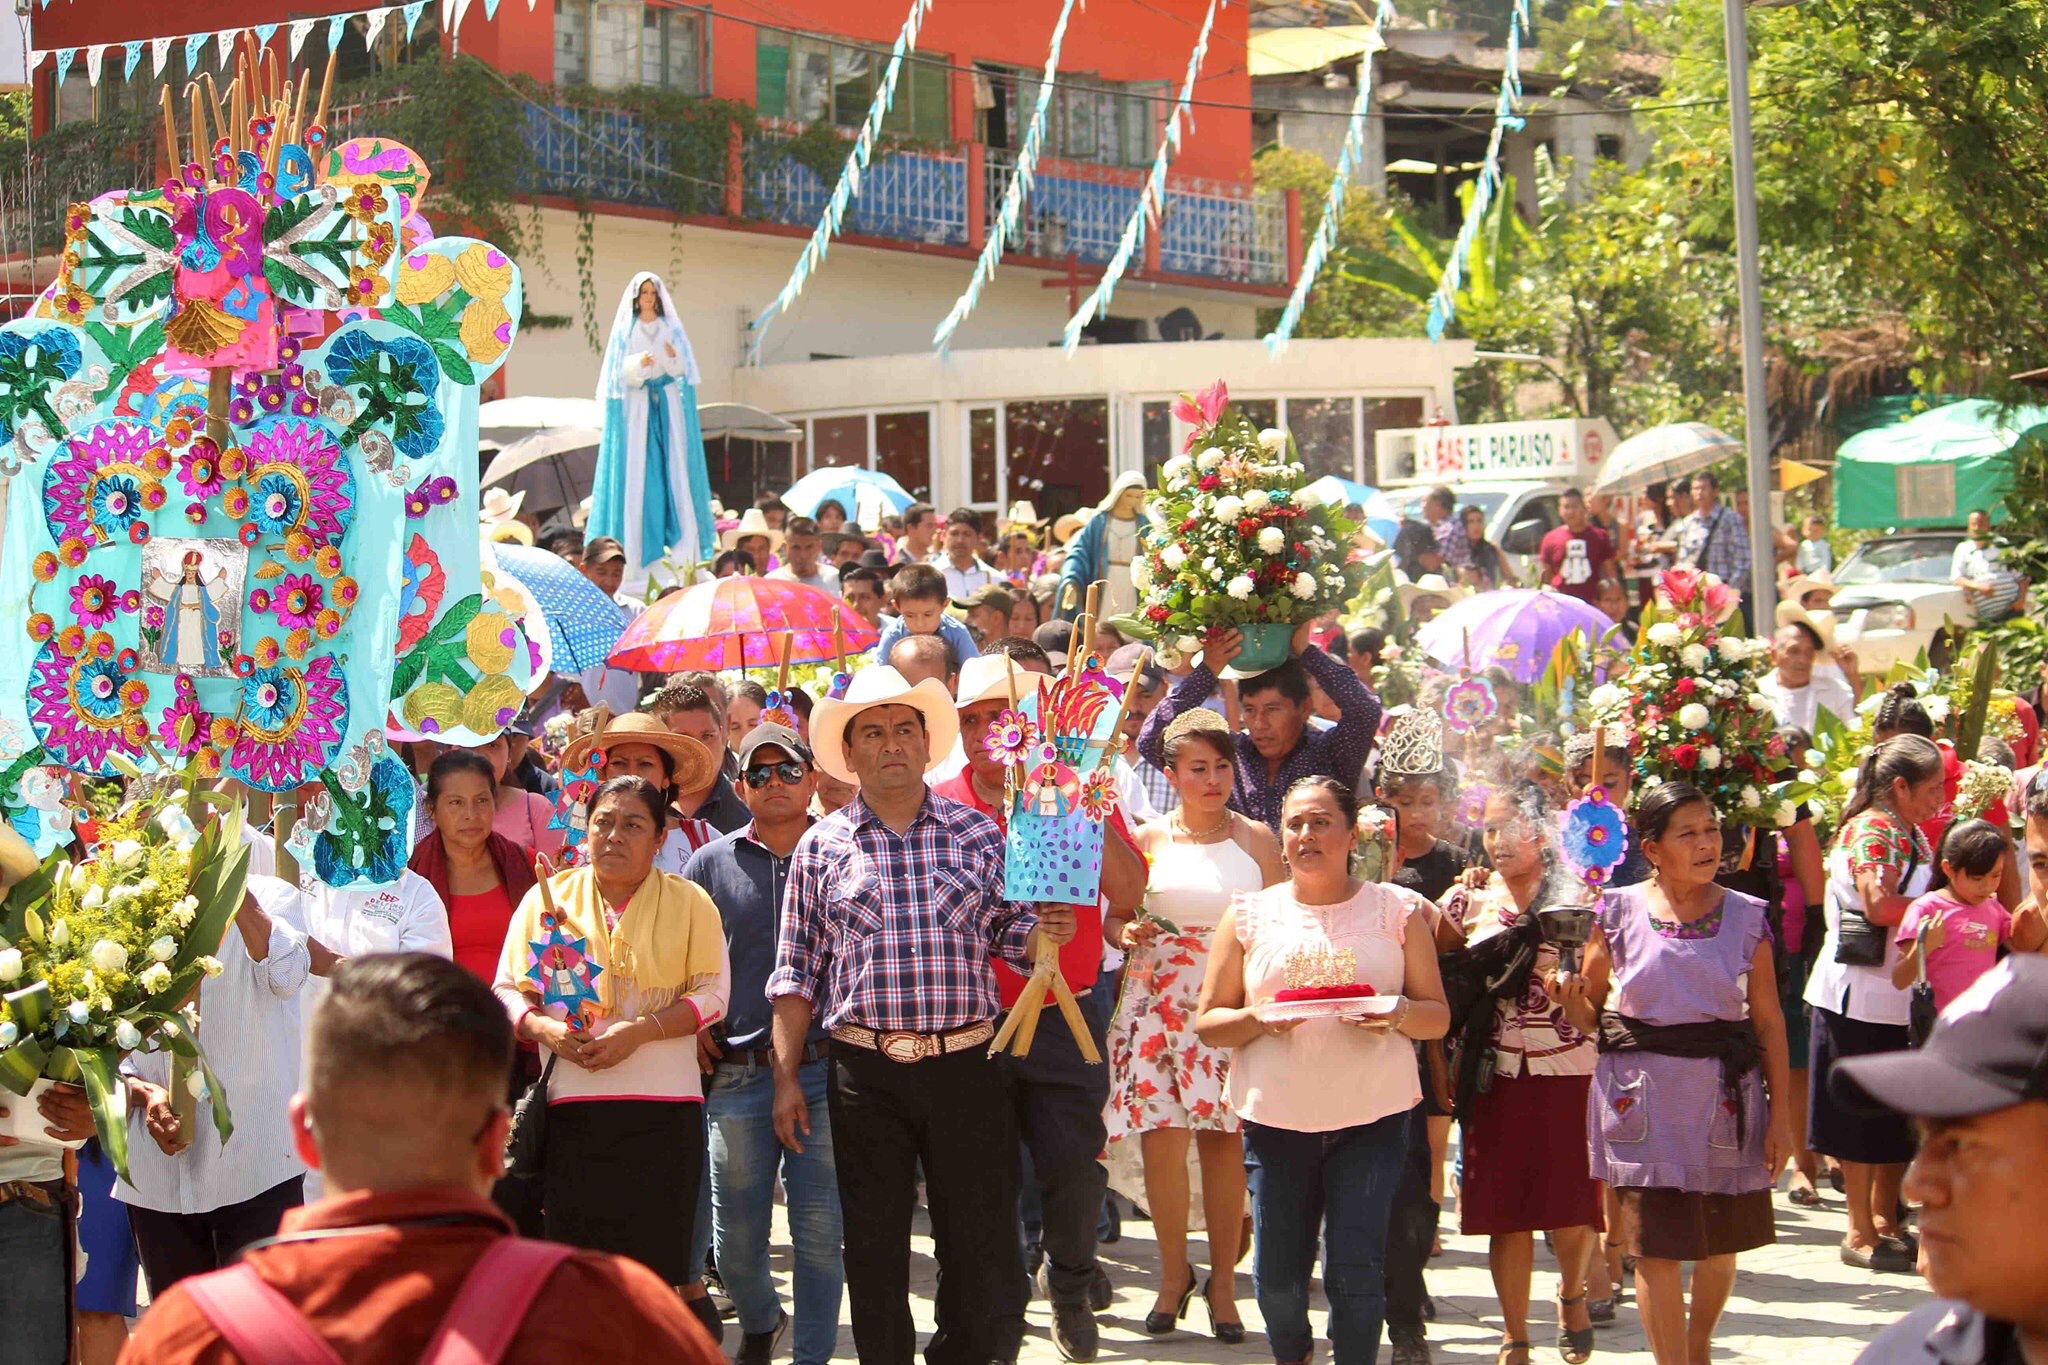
(764,1057)
(902,1046)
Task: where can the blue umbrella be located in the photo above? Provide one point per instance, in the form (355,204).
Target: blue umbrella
(865,495)
(582,622)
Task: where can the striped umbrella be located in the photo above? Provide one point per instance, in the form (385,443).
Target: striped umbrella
(739,623)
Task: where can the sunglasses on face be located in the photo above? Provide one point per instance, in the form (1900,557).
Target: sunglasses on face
(790,771)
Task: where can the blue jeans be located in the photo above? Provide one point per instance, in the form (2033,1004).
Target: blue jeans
(1339,1187)
(745,1159)
(32,1326)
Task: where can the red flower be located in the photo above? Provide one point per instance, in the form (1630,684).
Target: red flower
(1152,1046)
(1189,524)
(1685,687)
(1145,1090)
(1248,526)
(1157,613)
(1210,483)
(1686,756)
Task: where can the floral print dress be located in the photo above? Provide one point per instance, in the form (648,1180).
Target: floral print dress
(1162,1076)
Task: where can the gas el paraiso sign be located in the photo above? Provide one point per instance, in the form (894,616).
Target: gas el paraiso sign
(1567,450)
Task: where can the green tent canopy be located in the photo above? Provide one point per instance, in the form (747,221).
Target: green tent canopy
(1933,469)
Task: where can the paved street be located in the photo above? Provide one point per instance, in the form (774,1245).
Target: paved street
(1794,1304)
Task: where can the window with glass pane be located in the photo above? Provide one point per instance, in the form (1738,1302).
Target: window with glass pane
(615,44)
(903,450)
(1387,414)
(1264,412)
(1322,432)
(74,100)
(811,88)
(840,440)
(771,74)
(853,85)
(1058,453)
(981,456)
(930,118)
(1155,436)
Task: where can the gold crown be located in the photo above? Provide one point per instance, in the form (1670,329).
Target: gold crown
(1414,746)
(1316,968)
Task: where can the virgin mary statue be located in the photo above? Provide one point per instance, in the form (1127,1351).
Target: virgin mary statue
(652,494)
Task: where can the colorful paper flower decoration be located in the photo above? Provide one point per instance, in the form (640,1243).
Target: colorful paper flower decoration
(563,969)
(1011,737)
(1098,794)
(1592,837)
(1470,703)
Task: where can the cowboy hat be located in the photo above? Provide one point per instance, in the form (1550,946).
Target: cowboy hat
(694,767)
(500,506)
(1790,613)
(1797,586)
(992,677)
(883,686)
(1430,585)
(1023,516)
(753,523)
(1067,527)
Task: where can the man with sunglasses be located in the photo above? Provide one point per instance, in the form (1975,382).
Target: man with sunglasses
(745,873)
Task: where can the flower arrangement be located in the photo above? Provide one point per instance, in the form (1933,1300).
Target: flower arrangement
(1238,539)
(102,956)
(1690,702)
(1982,786)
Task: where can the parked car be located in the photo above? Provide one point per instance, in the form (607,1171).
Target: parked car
(1518,514)
(1897,599)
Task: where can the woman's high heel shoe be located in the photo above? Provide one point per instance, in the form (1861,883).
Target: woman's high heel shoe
(1230,1333)
(1159,1324)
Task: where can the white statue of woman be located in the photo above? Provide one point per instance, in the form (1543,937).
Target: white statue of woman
(652,493)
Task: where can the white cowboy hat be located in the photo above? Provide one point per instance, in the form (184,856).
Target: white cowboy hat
(1797,586)
(1790,613)
(581,519)
(883,686)
(753,523)
(988,677)
(1430,585)
(1022,516)
(500,506)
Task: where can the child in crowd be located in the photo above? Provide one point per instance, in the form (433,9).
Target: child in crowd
(1959,926)
(920,596)
(1816,555)
(1429,864)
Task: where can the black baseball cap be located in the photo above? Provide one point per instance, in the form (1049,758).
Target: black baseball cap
(773,737)
(1988,1051)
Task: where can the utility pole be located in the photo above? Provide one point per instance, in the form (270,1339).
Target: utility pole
(1749,279)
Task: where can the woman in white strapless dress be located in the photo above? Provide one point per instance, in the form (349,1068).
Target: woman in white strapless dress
(1166,1084)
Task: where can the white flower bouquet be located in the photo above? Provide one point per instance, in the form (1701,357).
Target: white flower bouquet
(103,956)
(1238,539)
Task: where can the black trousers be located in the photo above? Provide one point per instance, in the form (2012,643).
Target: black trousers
(1057,1097)
(1410,1230)
(174,1245)
(951,1116)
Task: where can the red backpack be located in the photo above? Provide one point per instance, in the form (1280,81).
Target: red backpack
(263,1327)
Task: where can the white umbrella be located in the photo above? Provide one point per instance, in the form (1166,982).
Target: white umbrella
(741,422)
(505,420)
(1664,453)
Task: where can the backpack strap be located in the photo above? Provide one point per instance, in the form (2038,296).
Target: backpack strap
(489,1308)
(260,1325)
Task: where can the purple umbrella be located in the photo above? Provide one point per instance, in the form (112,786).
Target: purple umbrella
(1517,628)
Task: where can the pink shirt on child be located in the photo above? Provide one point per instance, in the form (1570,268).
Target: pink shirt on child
(1972,936)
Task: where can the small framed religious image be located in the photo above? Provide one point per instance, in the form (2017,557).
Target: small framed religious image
(192,605)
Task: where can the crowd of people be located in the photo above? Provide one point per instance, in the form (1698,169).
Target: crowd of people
(794,907)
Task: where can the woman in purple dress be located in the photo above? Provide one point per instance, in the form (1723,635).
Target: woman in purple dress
(1678,985)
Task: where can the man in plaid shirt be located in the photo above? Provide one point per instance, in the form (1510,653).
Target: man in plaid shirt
(1438,509)
(892,912)
(1714,538)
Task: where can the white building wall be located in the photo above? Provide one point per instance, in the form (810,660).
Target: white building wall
(863,301)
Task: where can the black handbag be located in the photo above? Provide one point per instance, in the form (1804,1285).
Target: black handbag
(518,1191)
(1858,942)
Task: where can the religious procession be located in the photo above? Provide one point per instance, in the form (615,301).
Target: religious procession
(738,828)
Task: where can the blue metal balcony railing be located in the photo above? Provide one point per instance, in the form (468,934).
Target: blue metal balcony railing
(1211,230)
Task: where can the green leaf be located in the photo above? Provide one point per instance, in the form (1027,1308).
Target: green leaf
(109,1101)
(454,364)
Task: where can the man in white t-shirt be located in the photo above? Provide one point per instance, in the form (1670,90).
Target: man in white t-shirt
(1796,691)
(802,548)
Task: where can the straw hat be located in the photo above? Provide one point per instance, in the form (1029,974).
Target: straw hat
(695,766)
(753,523)
(1430,585)
(1067,527)
(500,506)
(500,531)
(1023,516)
(883,686)
(1797,586)
(1790,613)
